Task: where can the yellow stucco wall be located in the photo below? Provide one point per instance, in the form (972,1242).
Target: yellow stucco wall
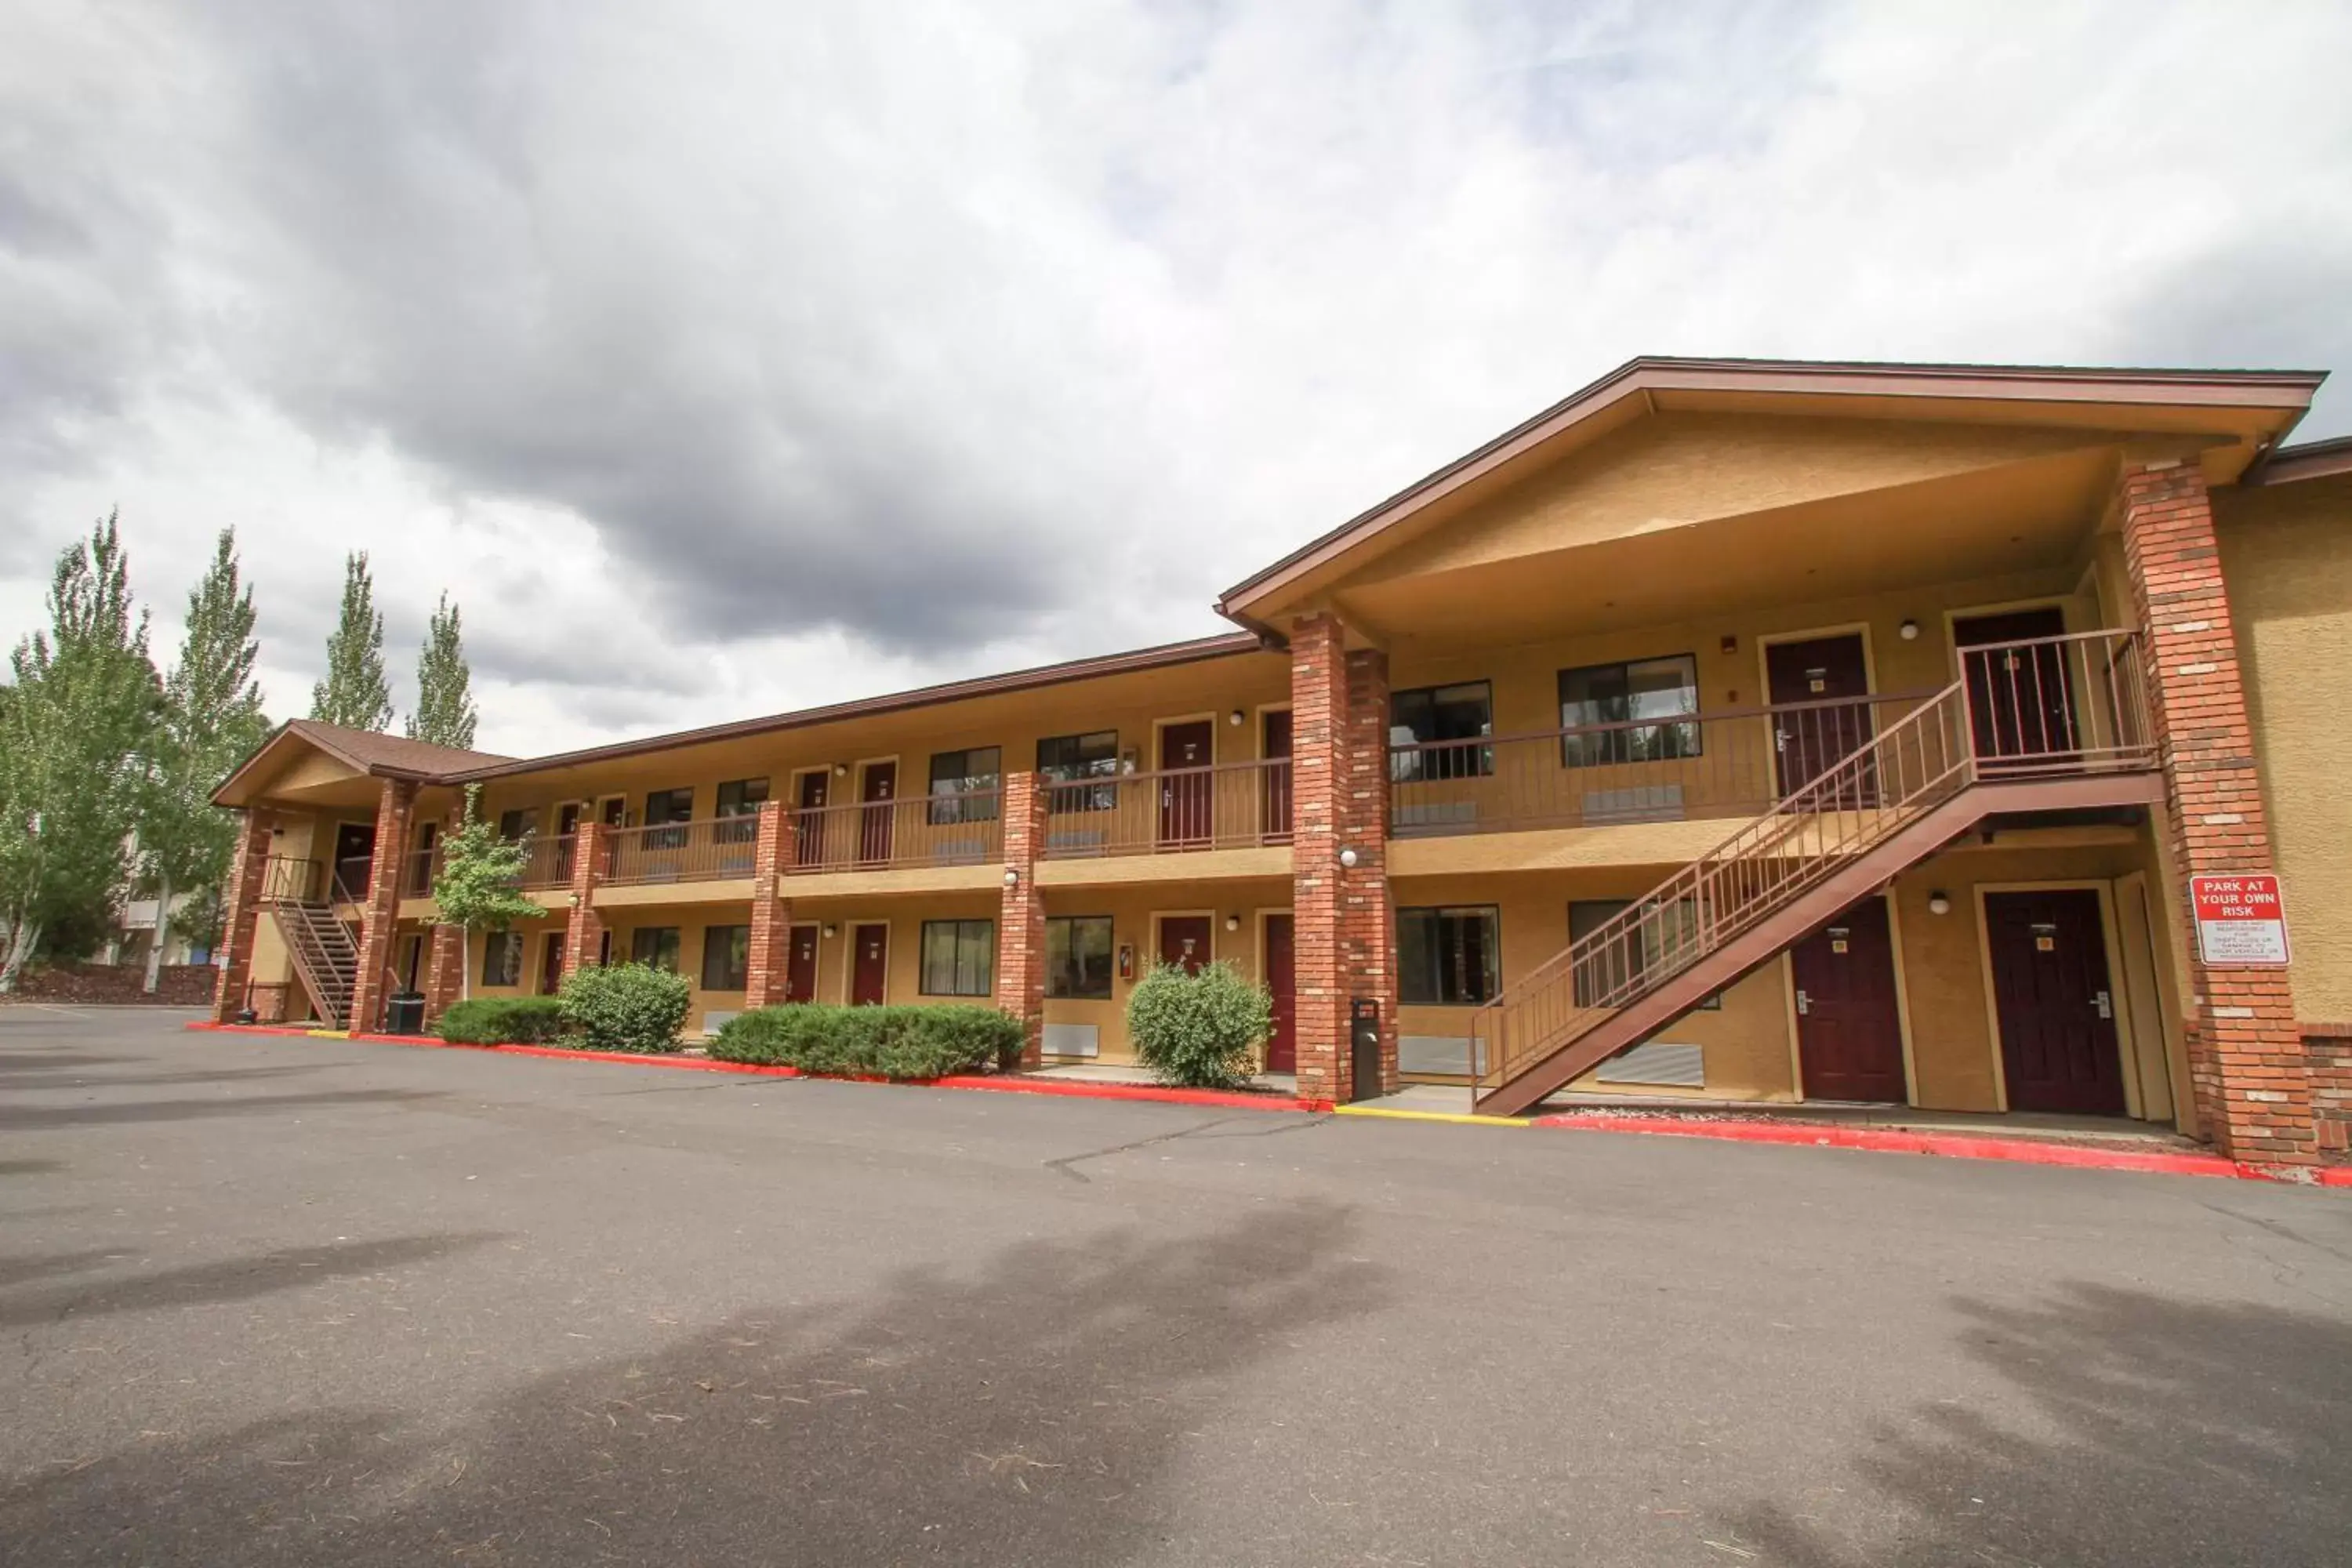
(2286,552)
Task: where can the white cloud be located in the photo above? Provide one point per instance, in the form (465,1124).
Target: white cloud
(720,363)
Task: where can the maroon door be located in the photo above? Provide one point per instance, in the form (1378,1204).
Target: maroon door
(1281,979)
(1849,1033)
(354,866)
(1184,940)
(1275,789)
(1813,739)
(550,965)
(870,973)
(2020,701)
(800,965)
(1184,796)
(808,827)
(880,784)
(2058,1045)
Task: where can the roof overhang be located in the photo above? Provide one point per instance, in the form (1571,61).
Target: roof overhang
(2233,416)
(2311,460)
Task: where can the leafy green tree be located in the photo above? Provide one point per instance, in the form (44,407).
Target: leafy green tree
(73,738)
(445,713)
(354,693)
(211,722)
(480,871)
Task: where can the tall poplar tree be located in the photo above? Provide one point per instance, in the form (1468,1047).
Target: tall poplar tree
(445,713)
(354,693)
(210,721)
(73,742)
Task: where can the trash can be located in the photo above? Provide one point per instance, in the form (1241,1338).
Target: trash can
(1364,1047)
(404,1013)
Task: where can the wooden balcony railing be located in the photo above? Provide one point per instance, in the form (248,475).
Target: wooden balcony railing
(964,828)
(1730,763)
(1233,806)
(717,850)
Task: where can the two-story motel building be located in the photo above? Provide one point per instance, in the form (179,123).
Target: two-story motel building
(1731,730)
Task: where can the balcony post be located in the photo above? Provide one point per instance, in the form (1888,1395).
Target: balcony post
(396,806)
(586,931)
(242,919)
(445,972)
(1021,922)
(766,968)
(2248,1067)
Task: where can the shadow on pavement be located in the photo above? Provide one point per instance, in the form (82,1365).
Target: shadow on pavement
(2162,1432)
(1034,1414)
(30,1167)
(38,1119)
(237,1279)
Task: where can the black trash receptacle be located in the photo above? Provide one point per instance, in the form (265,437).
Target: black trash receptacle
(405,1014)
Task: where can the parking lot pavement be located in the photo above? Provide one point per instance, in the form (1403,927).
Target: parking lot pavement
(285,1300)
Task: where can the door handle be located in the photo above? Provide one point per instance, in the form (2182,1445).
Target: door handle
(2105,1004)
(1804,1005)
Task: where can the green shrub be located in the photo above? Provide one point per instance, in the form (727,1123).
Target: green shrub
(1201,1030)
(882,1042)
(502,1021)
(626,1007)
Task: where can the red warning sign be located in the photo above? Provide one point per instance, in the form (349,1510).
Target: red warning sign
(2241,922)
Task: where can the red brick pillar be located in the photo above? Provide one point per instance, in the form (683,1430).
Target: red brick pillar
(584,937)
(247,880)
(395,805)
(771,916)
(2247,1064)
(1345,937)
(1021,923)
(444,971)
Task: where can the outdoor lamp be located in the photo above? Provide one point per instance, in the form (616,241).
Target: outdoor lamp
(831,930)
(1012,875)
(1232,923)
(1348,858)
(1909,631)
(1940,902)
(1234,718)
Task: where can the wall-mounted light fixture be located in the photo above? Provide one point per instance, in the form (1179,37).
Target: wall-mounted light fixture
(1012,875)
(1232,923)
(841,770)
(1347,858)
(1908,631)
(575,901)
(832,929)
(1234,718)
(1940,902)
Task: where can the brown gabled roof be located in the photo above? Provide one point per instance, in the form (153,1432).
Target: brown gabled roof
(2311,460)
(1224,645)
(2286,389)
(364,751)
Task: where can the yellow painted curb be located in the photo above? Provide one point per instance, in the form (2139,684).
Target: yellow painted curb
(1464,1117)
(331,1034)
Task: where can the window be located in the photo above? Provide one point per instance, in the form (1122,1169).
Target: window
(726,957)
(958,958)
(1627,694)
(657,945)
(516,825)
(1449,957)
(1433,713)
(738,810)
(663,807)
(1077,957)
(1069,758)
(502,958)
(1644,947)
(975,773)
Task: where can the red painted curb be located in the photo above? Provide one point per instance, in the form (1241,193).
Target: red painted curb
(1136,1091)
(1954,1146)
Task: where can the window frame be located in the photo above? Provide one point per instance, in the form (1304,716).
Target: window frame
(1055,972)
(677,944)
(655,838)
(1670,737)
(526,817)
(962,803)
(1492,915)
(738,820)
(510,943)
(738,946)
(958,930)
(1074,792)
(1416,766)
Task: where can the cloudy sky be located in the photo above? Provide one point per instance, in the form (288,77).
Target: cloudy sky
(725,357)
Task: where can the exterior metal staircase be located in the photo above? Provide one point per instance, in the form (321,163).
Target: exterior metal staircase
(326,955)
(2049,724)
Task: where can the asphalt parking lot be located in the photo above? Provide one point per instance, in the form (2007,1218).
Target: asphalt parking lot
(280,1301)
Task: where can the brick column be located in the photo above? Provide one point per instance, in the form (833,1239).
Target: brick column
(395,805)
(444,971)
(1345,936)
(771,916)
(246,881)
(585,934)
(2247,1064)
(1021,923)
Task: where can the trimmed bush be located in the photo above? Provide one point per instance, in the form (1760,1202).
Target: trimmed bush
(879,1042)
(1199,1031)
(626,1007)
(502,1021)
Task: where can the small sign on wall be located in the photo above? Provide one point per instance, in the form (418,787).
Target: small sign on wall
(2240,920)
